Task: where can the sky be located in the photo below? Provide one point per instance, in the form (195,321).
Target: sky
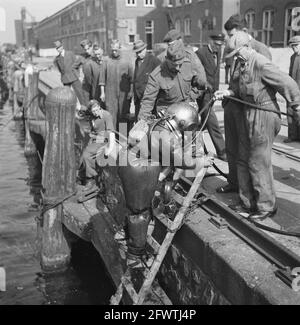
(11,10)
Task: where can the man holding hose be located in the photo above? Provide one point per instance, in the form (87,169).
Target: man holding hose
(256,81)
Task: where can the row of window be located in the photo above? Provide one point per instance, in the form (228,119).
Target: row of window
(167,3)
(178,3)
(186,27)
(133,3)
(268,25)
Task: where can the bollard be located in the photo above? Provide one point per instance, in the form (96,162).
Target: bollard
(31,107)
(59,176)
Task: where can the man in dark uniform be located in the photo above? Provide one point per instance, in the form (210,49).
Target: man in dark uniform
(65,63)
(232,110)
(257,81)
(294,130)
(210,57)
(86,62)
(144,65)
(116,84)
(175,80)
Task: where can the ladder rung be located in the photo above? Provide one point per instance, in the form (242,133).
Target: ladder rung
(130,289)
(166,222)
(178,198)
(154,244)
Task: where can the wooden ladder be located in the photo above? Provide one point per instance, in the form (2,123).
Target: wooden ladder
(160,251)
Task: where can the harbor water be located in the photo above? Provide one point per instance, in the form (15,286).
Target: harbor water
(84,283)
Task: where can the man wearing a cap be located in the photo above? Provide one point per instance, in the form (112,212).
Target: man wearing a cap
(257,81)
(175,80)
(210,57)
(172,37)
(294,130)
(65,64)
(117,84)
(86,62)
(144,65)
(232,110)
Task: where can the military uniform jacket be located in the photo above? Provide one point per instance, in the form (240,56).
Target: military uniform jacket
(141,75)
(165,88)
(259,80)
(65,65)
(212,68)
(192,56)
(295,68)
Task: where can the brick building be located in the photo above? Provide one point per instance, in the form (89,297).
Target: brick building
(130,20)
(104,20)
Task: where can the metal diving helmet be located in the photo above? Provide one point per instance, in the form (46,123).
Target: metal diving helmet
(181,117)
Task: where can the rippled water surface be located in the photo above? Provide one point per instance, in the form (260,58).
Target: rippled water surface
(84,283)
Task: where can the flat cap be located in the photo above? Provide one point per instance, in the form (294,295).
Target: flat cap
(235,21)
(86,42)
(58,44)
(294,40)
(238,40)
(176,52)
(172,36)
(139,46)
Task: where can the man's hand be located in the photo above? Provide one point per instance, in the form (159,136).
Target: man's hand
(220,94)
(102,97)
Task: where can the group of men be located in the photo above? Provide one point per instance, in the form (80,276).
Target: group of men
(251,112)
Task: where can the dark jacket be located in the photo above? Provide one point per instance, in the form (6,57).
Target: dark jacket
(141,75)
(65,66)
(295,68)
(212,69)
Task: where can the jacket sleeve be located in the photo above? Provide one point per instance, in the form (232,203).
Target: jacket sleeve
(200,80)
(291,66)
(281,82)
(88,74)
(77,64)
(56,64)
(103,74)
(149,98)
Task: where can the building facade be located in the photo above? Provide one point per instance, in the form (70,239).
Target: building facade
(104,20)
(271,21)
(130,20)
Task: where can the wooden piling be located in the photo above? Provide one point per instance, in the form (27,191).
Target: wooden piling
(31,106)
(59,176)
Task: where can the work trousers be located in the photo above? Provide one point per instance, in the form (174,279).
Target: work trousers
(77,87)
(233,117)
(89,159)
(293,128)
(212,126)
(254,166)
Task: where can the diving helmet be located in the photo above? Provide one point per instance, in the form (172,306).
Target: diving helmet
(182,117)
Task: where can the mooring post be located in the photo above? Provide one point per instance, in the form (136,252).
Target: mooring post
(31,106)
(59,176)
